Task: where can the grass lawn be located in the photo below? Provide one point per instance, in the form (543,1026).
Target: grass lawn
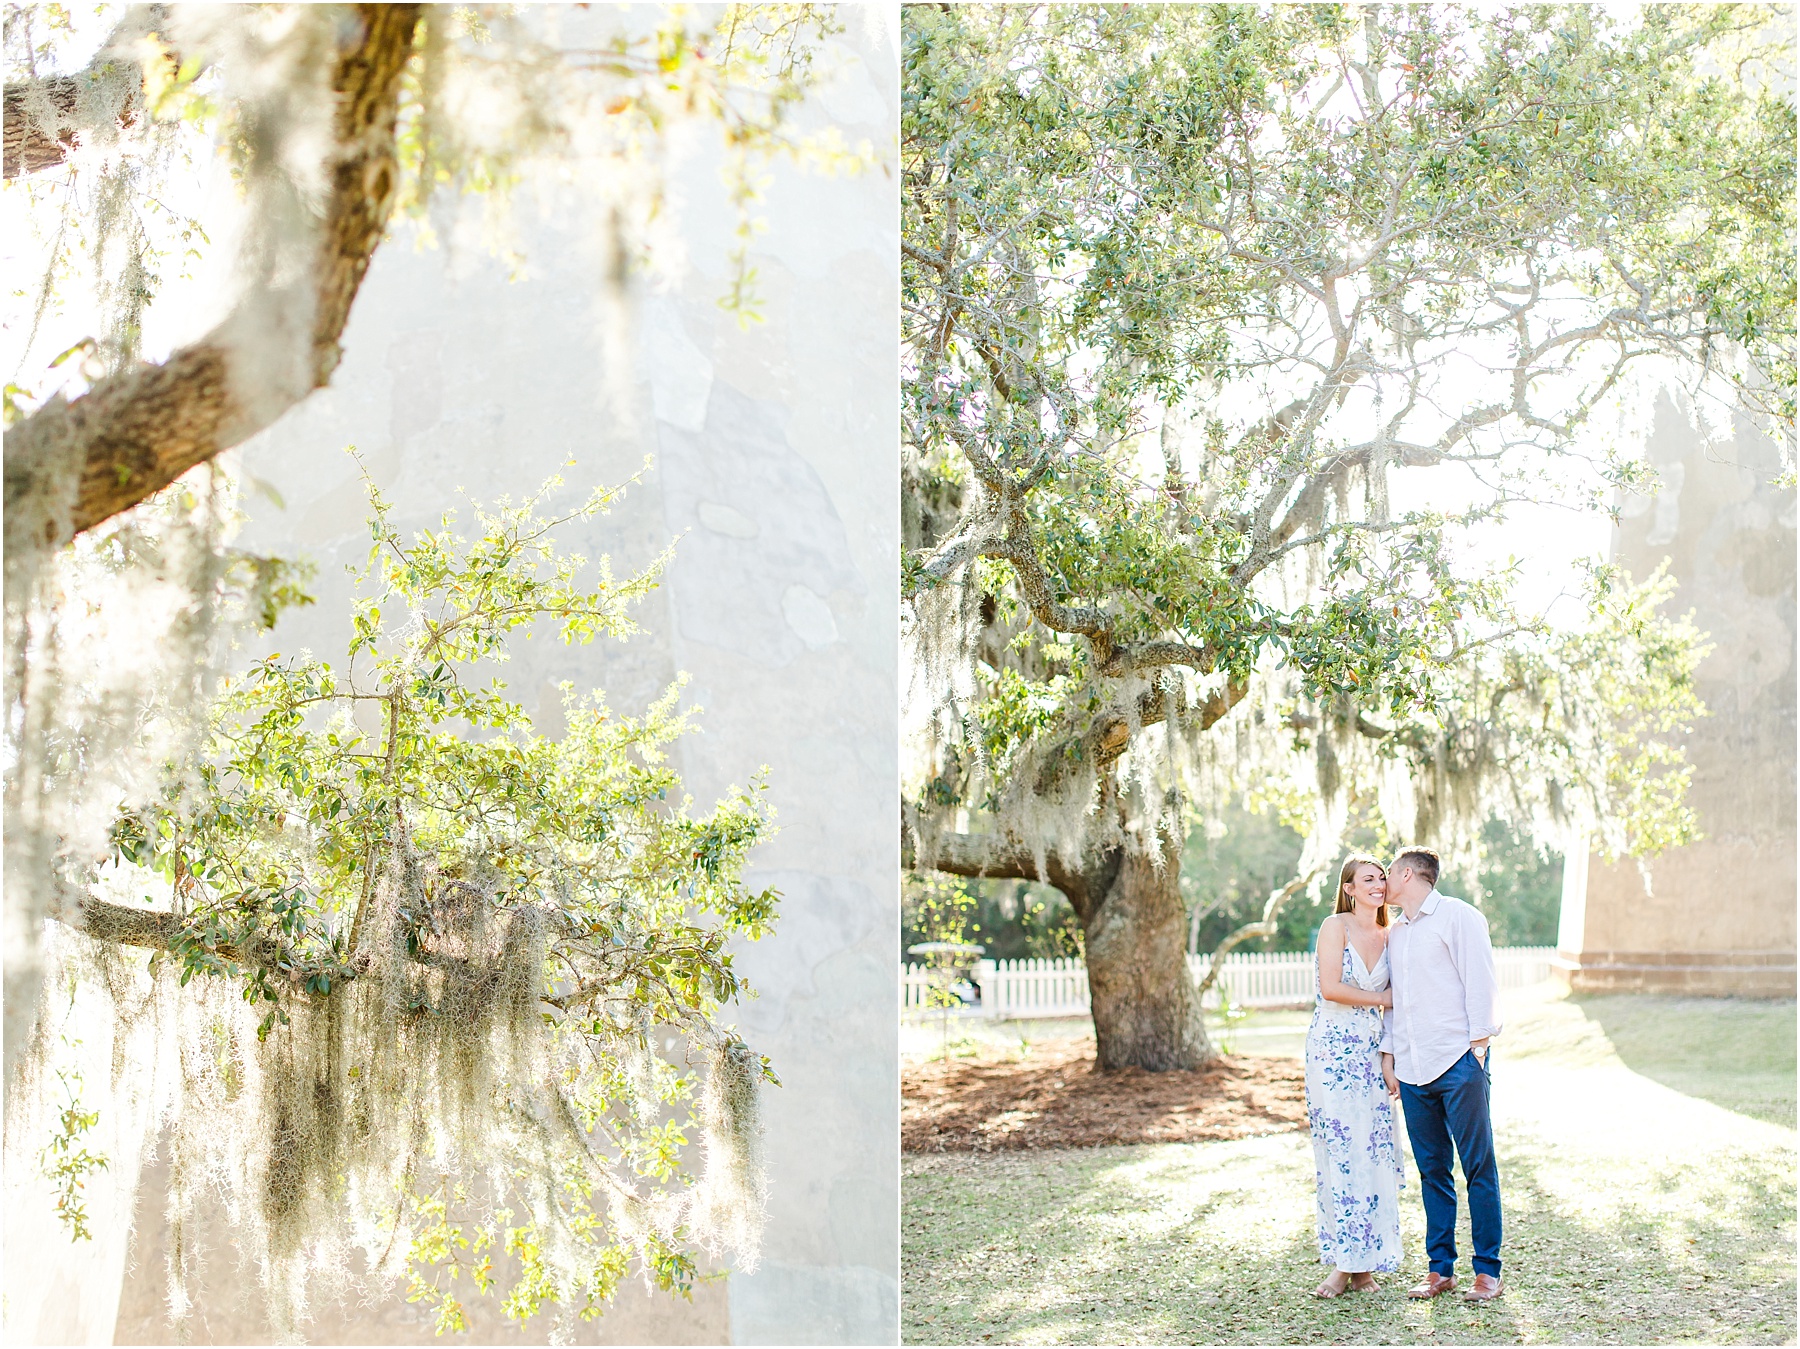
(1647,1153)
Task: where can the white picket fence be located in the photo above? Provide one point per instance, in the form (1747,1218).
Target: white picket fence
(1016,989)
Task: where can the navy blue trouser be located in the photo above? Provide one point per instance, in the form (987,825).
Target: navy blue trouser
(1453,1112)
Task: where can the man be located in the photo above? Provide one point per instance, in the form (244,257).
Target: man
(1434,1057)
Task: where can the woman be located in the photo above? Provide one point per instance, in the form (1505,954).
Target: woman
(1347,1105)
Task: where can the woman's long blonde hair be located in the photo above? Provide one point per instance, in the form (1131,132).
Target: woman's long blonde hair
(1347,874)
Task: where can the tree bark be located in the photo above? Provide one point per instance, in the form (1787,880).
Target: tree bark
(1145,1007)
(139,430)
(31,146)
(42,115)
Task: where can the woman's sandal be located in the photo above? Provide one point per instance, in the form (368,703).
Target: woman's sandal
(1326,1290)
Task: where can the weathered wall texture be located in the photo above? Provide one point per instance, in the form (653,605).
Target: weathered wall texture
(1718,915)
(57,1290)
(775,468)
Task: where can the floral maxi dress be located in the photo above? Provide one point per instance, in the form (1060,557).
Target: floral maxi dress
(1355,1156)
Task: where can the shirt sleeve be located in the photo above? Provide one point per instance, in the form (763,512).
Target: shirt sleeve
(1474,956)
(1387,1031)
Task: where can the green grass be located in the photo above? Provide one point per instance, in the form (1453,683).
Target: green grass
(1641,1207)
(1736,1053)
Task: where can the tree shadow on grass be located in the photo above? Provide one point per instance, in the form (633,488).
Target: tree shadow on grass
(1157,1245)
(1737,1053)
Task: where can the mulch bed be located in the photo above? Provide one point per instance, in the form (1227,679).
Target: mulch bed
(1057,1098)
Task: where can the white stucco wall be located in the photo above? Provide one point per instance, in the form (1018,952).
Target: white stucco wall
(774,466)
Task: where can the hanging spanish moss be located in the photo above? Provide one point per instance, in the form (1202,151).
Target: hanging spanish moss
(110,663)
(1016,735)
(727,1208)
(408,1011)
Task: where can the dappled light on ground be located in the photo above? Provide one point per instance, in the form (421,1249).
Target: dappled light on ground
(1636,1213)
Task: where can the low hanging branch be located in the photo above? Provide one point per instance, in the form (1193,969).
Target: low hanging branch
(1083,880)
(137,431)
(466,951)
(242,944)
(1262,927)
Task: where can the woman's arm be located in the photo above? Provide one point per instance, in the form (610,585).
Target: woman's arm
(1331,965)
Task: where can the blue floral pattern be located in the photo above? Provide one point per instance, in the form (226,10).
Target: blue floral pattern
(1356,1161)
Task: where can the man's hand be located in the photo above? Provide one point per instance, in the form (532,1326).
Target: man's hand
(1387,1075)
(1480,1047)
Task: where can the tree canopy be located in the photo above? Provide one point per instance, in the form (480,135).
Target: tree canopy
(1226,326)
(454,989)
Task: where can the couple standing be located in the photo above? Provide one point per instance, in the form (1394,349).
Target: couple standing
(1405,1009)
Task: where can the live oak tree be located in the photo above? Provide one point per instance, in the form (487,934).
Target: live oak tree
(420,985)
(336,121)
(1190,295)
(448,989)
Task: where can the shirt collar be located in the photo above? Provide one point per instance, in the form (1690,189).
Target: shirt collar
(1429,906)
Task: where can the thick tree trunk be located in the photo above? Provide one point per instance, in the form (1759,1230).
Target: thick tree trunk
(1145,1007)
(1146,1012)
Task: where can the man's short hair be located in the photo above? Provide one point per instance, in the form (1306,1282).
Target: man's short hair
(1422,860)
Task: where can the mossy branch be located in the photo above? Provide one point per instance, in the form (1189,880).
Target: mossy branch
(1084,880)
(43,115)
(142,428)
(1262,927)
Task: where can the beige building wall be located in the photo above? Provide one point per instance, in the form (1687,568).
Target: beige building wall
(1717,917)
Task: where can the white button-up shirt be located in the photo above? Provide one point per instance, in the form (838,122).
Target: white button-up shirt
(1441,967)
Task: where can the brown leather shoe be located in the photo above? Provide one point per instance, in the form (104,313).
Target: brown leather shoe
(1434,1284)
(1487,1288)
